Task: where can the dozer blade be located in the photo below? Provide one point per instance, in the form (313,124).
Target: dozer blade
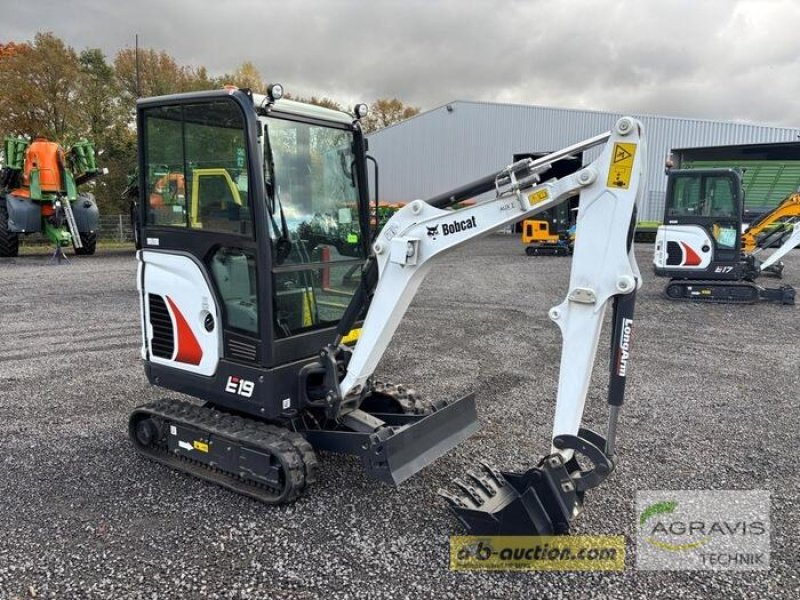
(540,501)
(407,443)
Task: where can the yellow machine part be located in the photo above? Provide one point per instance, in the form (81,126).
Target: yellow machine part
(537,231)
(197,175)
(790,207)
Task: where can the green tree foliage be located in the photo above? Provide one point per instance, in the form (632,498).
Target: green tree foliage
(385,112)
(108,125)
(98,95)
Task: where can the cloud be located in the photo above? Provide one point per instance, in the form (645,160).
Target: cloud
(715,59)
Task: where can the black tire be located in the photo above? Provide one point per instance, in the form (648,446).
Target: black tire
(89,243)
(9,241)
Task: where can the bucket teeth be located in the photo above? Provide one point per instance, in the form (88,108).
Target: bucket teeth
(484,482)
(476,489)
(452,499)
(494,473)
(471,491)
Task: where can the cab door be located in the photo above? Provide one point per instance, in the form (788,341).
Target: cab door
(197,276)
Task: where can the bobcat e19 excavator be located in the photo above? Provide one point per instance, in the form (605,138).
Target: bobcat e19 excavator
(243,309)
(701,248)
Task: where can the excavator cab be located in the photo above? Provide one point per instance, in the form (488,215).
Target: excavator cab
(700,237)
(254,229)
(699,246)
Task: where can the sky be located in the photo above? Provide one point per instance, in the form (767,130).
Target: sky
(711,59)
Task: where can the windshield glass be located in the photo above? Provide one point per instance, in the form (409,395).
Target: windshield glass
(311,181)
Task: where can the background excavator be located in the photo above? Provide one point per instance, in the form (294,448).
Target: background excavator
(39,193)
(772,228)
(702,249)
(253,306)
(542,239)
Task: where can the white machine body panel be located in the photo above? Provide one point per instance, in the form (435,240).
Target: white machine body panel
(692,248)
(188,316)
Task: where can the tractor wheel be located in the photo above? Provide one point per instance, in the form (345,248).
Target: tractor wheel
(9,241)
(89,243)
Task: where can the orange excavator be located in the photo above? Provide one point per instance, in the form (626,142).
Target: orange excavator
(771,227)
(39,193)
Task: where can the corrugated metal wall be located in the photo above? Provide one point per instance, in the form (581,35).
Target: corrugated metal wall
(462,141)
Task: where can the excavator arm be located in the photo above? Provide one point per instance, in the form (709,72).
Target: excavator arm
(788,209)
(604,272)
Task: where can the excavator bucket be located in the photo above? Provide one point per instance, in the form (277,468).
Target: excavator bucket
(540,501)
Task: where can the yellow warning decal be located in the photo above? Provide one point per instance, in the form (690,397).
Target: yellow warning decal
(201,446)
(538,197)
(352,337)
(619,176)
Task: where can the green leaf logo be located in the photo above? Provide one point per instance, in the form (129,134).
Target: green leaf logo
(658,508)
(661,508)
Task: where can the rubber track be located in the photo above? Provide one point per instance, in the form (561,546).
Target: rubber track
(294,452)
(712,283)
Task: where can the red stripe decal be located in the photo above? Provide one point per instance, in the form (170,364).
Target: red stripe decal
(189,350)
(691,258)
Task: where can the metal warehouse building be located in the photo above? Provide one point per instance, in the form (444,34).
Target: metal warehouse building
(462,141)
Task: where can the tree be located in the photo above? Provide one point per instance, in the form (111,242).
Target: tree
(246,76)
(323,101)
(159,74)
(99,94)
(385,112)
(40,84)
(118,146)
(11,48)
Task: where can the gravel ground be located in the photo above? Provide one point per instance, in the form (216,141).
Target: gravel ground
(712,404)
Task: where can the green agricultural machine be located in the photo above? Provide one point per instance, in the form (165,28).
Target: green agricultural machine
(39,193)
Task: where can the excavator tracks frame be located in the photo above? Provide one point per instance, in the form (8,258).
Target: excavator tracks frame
(253,458)
(726,292)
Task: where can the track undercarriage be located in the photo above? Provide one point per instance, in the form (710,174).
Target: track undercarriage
(274,463)
(726,292)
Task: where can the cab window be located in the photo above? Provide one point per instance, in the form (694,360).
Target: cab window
(703,196)
(196,161)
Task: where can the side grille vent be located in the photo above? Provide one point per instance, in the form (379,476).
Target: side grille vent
(163,342)
(242,349)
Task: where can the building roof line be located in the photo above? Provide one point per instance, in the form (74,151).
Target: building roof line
(589,111)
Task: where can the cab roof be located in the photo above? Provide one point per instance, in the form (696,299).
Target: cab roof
(283,105)
(302,109)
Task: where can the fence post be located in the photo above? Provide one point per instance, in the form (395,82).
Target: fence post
(121,233)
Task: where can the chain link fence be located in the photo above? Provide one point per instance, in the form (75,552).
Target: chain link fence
(115,228)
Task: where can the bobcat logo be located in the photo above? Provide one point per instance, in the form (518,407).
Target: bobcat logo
(433,231)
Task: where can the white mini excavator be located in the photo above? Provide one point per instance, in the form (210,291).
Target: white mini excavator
(267,293)
(704,248)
